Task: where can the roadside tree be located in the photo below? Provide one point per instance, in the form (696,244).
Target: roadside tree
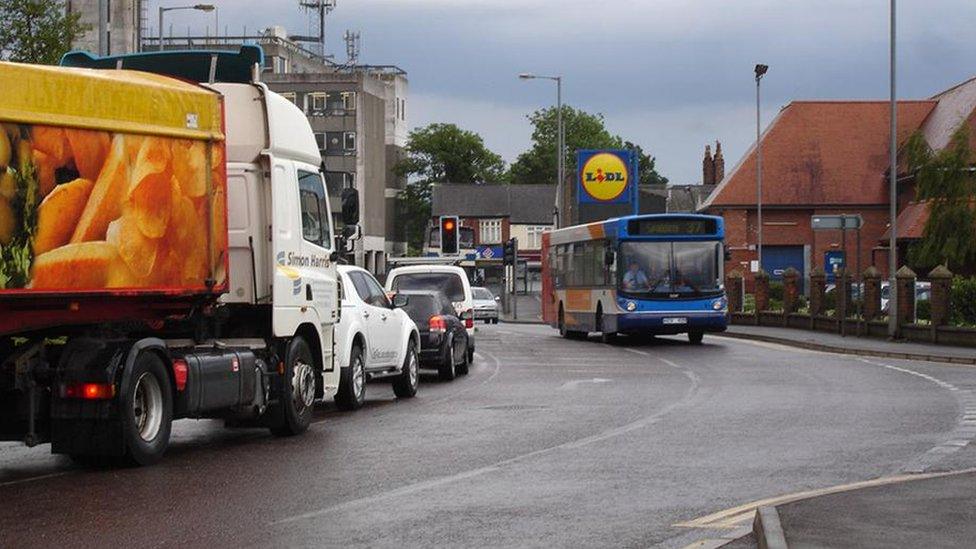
(37,31)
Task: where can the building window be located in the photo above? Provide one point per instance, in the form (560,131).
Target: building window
(336,181)
(333,142)
(290,96)
(403,109)
(534,236)
(320,140)
(349,141)
(318,102)
(491,231)
(349,101)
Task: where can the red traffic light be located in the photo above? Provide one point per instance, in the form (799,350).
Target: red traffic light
(449,225)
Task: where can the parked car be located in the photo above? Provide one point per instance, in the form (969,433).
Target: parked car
(374,340)
(450,280)
(443,338)
(485,305)
(923,292)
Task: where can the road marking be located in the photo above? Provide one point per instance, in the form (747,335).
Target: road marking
(734,517)
(571,385)
(499,466)
(960,437)
(32,479)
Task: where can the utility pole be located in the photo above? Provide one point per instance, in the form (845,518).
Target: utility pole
(760,71)
(893,191)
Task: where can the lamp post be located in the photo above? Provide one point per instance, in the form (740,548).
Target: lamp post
(760,71)
(893,190)
(560,140)
(162,10)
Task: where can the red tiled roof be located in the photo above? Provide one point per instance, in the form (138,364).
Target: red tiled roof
(822,152)
(911,222)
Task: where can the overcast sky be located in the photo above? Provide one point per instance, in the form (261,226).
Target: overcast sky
(671,75)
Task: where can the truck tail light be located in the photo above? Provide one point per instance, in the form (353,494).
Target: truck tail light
(181,371)
(437,324)
(88,391)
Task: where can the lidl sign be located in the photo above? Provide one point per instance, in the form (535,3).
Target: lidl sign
(605,177)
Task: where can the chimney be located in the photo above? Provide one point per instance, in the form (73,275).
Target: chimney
(708,167)
(719,163)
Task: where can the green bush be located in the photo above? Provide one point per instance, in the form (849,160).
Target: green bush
(776,290)
(923,309)
(962,299)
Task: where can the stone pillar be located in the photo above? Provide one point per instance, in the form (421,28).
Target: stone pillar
(733,289)
(762,291)
(872,293)
(905,283)
(941,284)
(817,282)
(791,290)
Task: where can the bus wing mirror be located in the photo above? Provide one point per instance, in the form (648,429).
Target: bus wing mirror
(609,257)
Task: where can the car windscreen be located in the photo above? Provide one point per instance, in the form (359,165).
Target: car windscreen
(670,269)
(421,307)
(448,284)
(482,293)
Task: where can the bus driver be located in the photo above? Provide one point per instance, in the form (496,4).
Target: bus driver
(635,279)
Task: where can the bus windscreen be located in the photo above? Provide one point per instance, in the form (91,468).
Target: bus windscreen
(670,269)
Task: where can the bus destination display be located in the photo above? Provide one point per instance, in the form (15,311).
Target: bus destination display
(671,227)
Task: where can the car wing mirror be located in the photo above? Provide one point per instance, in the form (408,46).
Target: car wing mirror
(400,301)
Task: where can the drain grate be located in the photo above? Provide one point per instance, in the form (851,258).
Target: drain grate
(514,407)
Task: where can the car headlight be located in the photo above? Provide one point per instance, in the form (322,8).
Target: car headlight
(631,305)
(719,304)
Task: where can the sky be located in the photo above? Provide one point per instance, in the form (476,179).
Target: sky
(670,75)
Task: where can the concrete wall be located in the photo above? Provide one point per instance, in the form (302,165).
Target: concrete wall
(122,26)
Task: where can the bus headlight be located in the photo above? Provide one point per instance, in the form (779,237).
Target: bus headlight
(631,305)
(719,304)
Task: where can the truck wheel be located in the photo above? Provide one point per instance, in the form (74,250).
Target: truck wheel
(352,382)
(297,396)
(446,371)
(405,385)
(147,410)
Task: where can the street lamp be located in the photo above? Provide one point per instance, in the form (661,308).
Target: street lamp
(560,139)
(162,10)
(760,71)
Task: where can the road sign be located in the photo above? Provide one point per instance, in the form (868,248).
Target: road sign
(836,222)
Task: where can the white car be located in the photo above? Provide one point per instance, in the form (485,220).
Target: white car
(374,340)
(452,281)
(485,305)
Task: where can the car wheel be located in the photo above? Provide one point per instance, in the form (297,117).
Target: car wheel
(446,371)
(464,366)
(695,337)
(296,397)
(352,382)
(406,383)
(147,411)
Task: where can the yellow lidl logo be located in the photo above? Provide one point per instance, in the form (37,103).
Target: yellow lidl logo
(604,177)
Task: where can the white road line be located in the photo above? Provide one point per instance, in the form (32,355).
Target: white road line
(496,467)
(33,479)
(959,438)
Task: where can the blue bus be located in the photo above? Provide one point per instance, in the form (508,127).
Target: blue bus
(636,275)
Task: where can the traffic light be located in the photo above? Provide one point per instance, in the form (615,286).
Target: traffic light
(449,234)
(511,251)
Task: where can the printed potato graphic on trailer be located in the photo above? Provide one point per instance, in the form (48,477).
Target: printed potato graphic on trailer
(110,181)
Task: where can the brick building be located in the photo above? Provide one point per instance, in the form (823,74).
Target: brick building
(828,157)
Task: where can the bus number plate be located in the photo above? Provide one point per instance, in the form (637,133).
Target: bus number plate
(675,320)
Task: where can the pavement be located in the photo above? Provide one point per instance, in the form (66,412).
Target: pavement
(546,443)
(865,346)
(527,310)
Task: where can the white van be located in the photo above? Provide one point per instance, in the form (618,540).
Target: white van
(449,279)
